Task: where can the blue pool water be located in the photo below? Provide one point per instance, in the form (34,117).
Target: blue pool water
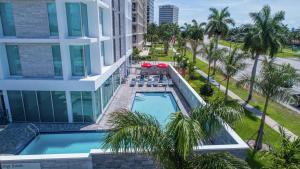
(157,104)
(68,143)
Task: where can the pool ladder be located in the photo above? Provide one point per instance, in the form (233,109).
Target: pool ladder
(34,129)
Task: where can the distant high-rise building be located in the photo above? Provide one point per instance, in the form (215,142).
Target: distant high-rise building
(150,11)
(139,22)
(168,14)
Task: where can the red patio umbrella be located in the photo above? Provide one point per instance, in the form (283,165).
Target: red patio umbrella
(146,65)
(162,65)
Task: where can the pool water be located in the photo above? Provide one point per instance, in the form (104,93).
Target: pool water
(157,104)
(66,143)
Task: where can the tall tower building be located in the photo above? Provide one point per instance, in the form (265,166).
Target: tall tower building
(150,11)
(62,60)
(139,22)
(168,14)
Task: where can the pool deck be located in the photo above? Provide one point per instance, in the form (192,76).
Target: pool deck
(125,96)
(17,135)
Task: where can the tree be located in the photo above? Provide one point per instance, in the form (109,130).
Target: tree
(288,154)
(195,36)
(271,84)
(152,31)
(170,145)
(232,63)
(218,25)
(191,70)
(209,51)
(166,31)
(264,37)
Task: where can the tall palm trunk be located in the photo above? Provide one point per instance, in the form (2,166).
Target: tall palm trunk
(216,47)
(208,72)
(166,47)
(253,75)
(194,46)
(260,134)
(227,86)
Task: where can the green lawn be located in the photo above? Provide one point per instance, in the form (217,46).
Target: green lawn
(281,114)
(285,53)
(246,129)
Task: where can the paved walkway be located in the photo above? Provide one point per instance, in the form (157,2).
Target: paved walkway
(269,121)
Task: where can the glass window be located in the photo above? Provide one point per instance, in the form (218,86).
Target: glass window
(80,60)
(117,79)
(88,68)
(57,60)
(107,91)
(87,106)
(13,58)
(52,17)
(60,106)
(77,61)
(98,103)
(45,106)
(101,20)
(84,18)
(102,49)
(31,107)
(7,19)
(77,19)
(76,106)
(16,106)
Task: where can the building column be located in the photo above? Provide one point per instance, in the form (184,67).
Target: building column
(69,106)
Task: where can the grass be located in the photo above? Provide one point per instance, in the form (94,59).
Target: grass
(284,53)
(246,128)
(281,114)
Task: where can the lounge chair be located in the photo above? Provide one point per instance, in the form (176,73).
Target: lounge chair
(132,82)
(149,82)
(155,82)
(141,83)
(170,83)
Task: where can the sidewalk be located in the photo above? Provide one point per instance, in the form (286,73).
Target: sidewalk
(270,122)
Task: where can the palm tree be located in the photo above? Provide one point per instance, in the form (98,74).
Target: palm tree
(152,31)
(288,155)
(170,145)
(271,84)
(264,37)
(232,63)
(195,36)
(191,70)
(218,25)
(211,53)
(166,31)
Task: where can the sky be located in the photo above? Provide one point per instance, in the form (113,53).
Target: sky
(239,9)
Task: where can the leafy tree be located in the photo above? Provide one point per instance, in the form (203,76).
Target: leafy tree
(170,145)
(195,36)
(232,63)
(218,25)
(288,155)
(264,37)
(271,84)
(166,31)
(152,33)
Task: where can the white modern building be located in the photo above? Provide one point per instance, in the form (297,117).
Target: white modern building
(150,11)
(62,60)
(168,14)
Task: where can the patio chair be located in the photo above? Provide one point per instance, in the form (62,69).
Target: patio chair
(132,82)
(155,82)
(141,83)
(149,82)
(170,83)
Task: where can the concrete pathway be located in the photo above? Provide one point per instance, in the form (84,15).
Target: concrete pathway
(269,121)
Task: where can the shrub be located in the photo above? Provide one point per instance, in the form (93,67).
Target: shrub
(206,90)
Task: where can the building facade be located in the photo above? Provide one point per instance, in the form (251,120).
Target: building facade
(150,11)
(139,22)
(168,14)
(62,60)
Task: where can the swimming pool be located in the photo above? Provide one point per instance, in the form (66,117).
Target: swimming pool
(64,143)
(157,104)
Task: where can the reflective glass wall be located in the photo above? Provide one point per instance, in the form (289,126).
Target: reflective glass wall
(38,106)
(82,107)
(13,58)
(52,17)
(80,60)
(7,19)
(77,19)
